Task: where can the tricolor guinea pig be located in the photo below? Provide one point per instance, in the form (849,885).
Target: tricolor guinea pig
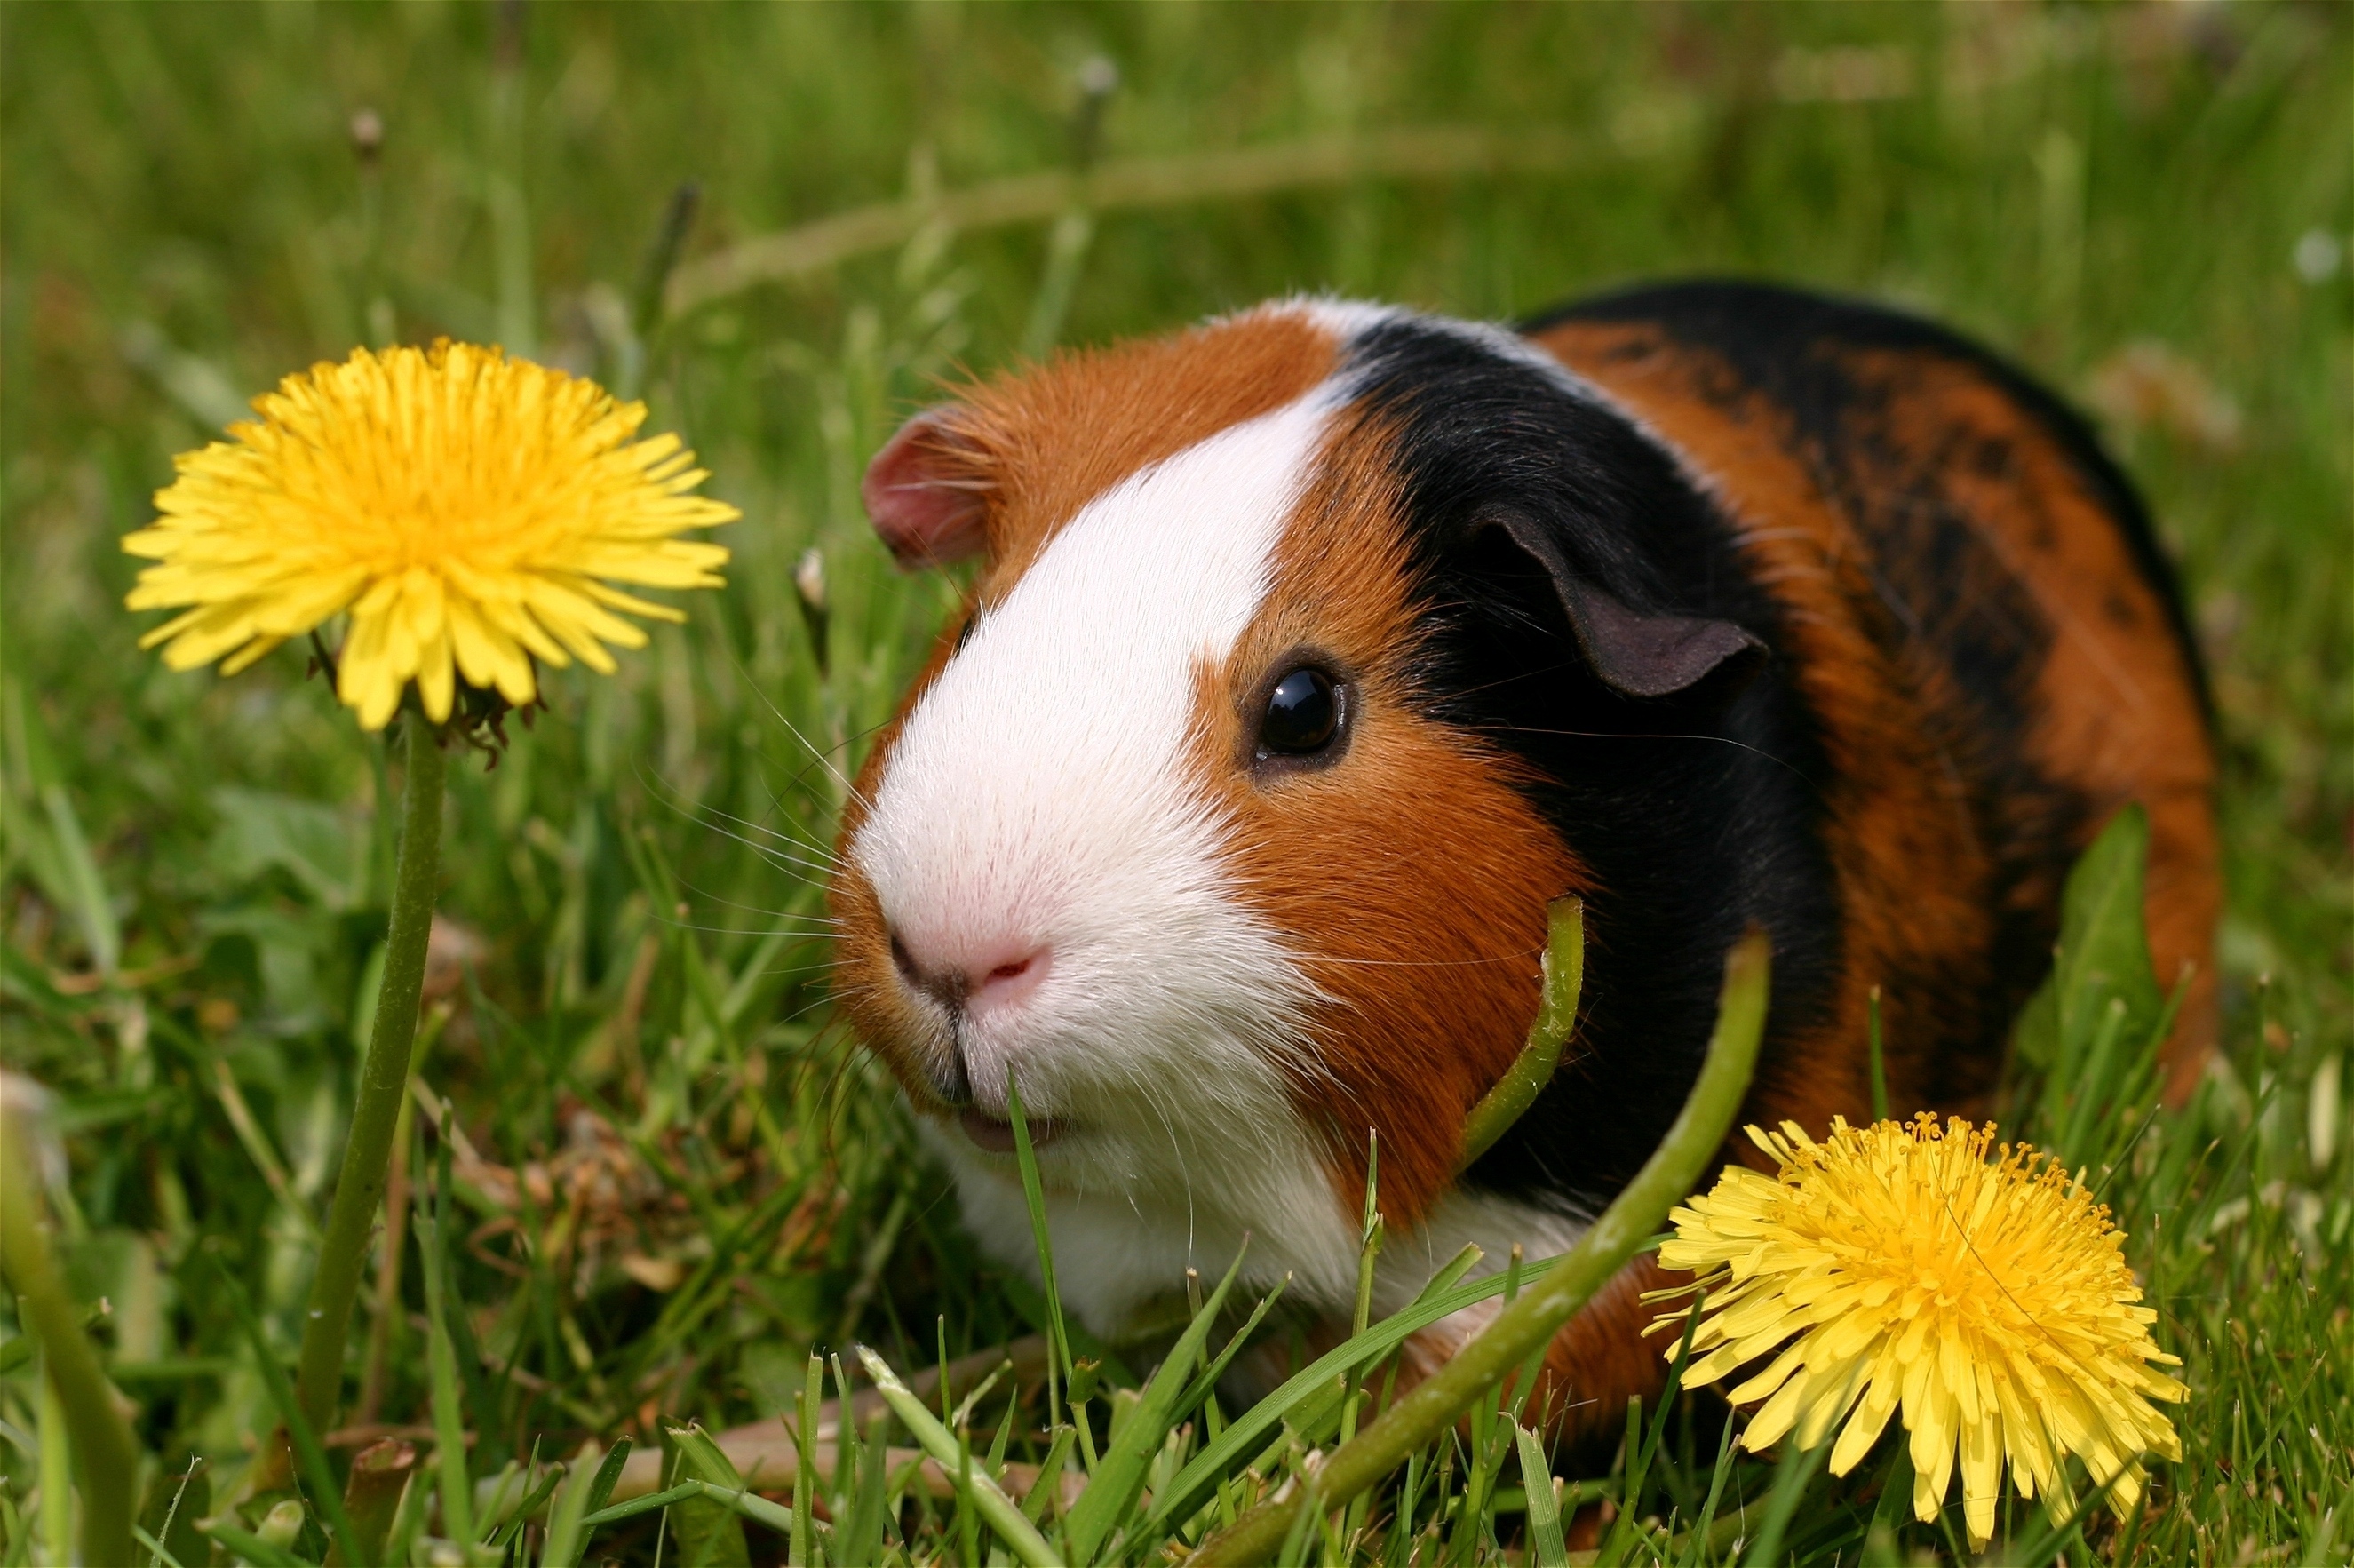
(1314,650)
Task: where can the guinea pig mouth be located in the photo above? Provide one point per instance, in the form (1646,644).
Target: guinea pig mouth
(997,1137)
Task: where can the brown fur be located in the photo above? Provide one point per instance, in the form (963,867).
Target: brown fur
(1410,874)
(2119,716)
(1043,443)
(864,984)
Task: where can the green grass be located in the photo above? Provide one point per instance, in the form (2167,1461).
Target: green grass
(678,1176)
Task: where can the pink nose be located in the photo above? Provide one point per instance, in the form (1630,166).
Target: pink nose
(983,978)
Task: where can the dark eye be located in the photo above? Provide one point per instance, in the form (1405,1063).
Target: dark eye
(1303,711)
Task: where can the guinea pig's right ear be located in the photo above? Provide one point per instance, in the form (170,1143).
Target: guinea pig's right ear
(1637,653)
(925,494)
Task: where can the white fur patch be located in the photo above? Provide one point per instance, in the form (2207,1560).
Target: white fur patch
(1037,797)
(1493,1224)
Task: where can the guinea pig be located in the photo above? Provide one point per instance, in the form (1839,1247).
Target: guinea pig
(1313,649)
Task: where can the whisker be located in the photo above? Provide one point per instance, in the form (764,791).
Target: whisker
(1626,735)
(838,778)
(806,841)
(1522,957)
(825,920)
(799,842)
(754,931)
(691,810)
(774,858)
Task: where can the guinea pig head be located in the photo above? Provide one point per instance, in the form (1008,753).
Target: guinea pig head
(1167,833)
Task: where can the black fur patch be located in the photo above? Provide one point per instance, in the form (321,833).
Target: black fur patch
(1768,335)
(1696,813)
(1942,602)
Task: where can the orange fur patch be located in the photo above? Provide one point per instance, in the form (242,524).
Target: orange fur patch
(1909,857)
(2118,717)
(1410,874)
(1043,442)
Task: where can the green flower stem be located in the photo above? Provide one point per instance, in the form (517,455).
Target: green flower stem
(1528,1322)
(1517,1090)
(383,1078)
(105,1456)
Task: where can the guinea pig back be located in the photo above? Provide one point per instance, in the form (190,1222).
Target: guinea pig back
(1314,650)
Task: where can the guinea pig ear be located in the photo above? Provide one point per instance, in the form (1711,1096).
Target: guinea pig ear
(1636,655)
(923,493)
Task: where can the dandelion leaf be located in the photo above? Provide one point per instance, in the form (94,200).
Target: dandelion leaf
(2103,956)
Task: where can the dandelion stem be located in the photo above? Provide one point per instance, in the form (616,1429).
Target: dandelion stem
(384,1076)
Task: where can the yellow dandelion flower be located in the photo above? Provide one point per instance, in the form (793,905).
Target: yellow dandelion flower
(1896,1267)
(469,512)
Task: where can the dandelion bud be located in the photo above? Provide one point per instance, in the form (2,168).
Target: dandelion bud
(367,135)
(809,588)
(809,581)
(1099,76)
(283,1523)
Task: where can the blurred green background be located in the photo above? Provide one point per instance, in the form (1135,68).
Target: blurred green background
(682,1173)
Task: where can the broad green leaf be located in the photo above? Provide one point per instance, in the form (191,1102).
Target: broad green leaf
(2103,952)
(710,1533)
(2094,1026)
(325,850)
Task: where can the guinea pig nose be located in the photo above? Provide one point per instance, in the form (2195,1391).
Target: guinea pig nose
(1011,978)
(987,975)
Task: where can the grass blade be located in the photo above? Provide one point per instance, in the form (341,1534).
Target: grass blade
(736,1499)
(1250,1431)
(1121,1472)
(1207,1378)
(252,1548)
(1046,1488)
(566,1538)
(86,889)
(1021,1537)
(799,1553)
(104,1453)
(1790,1478)
(1545,1548)
(677,1492)
(609,1474)
(1058,1358)
(708,1534)
(441,1365)
(859,1537)
(310,1459)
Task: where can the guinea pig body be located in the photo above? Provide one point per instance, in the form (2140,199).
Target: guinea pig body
(1316,649)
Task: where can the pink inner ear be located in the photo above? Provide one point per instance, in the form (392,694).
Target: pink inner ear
(923,503)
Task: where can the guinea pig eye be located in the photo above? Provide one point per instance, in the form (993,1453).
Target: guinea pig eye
(1303,713)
